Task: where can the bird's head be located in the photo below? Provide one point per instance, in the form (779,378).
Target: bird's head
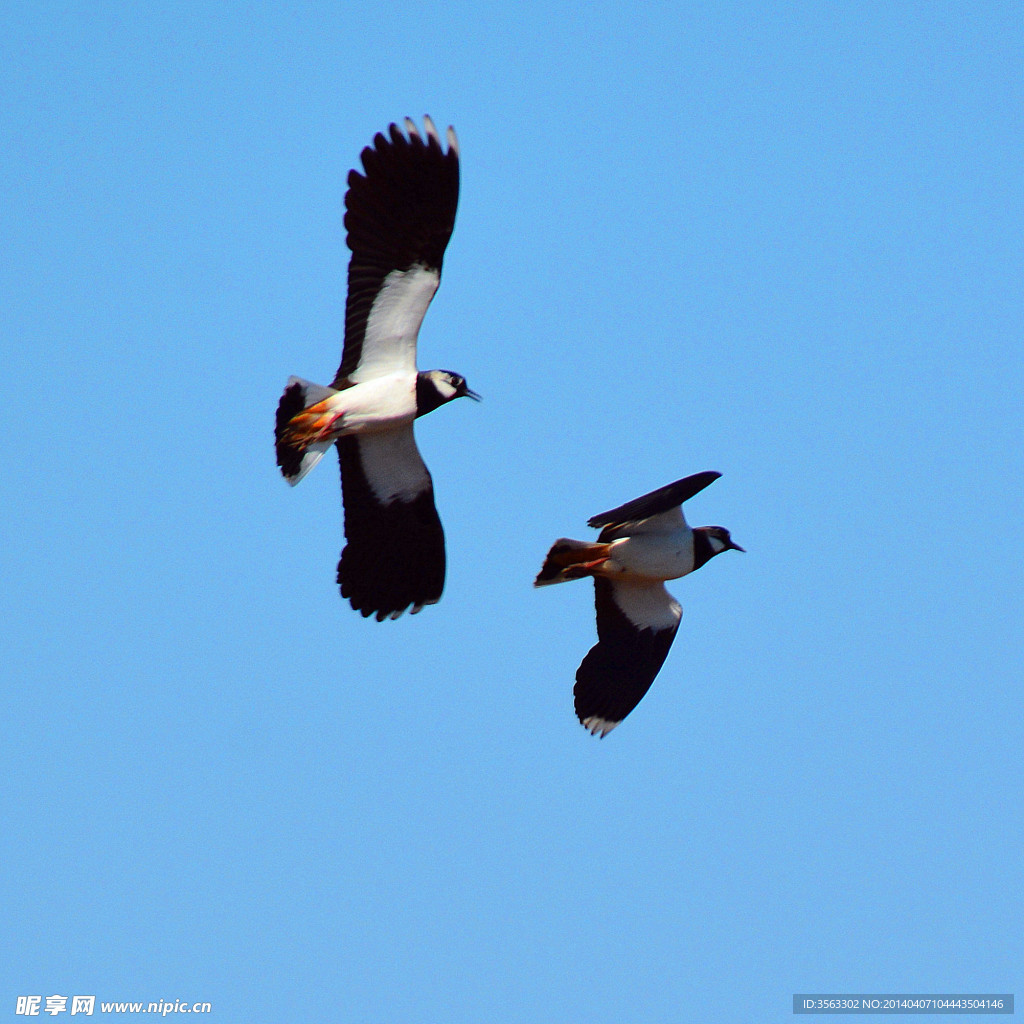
(718,539)
(436,387)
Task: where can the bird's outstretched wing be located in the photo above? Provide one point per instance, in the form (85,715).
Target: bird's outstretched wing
(664,499)
(399,214)
(394,556)
(636,624)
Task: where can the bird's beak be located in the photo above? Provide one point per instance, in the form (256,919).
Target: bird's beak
(473,395)
(736,547)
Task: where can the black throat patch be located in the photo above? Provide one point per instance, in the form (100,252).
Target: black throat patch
(702,549)
(428,397)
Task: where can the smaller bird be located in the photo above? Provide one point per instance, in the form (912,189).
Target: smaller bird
(642,544)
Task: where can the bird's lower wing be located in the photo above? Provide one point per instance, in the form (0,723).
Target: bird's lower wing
(394,556)
(636,624)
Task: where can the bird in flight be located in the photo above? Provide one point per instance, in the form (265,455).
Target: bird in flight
(399,215)
(642,544)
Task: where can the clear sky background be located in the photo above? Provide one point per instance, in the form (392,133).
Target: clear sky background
(781,241)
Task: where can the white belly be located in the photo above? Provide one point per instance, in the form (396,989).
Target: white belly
(656,556)
(380,404)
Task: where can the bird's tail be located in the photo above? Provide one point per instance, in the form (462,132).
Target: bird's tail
(571,560)
(302,432)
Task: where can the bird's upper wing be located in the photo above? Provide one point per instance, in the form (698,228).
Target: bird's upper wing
(636,624)
(664,499)
(394,556)
(399,214)
(663,522)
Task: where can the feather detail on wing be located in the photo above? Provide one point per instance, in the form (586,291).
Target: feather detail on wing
(636,624)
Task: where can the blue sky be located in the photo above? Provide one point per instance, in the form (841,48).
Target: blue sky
(783,242)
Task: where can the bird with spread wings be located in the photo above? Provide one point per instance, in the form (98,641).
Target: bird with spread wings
(399,216)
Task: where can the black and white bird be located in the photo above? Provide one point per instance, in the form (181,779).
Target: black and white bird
(642,544)
(399,215)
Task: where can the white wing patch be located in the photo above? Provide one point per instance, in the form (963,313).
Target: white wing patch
(663,522)
(389,344)
(647,606)
(393,466)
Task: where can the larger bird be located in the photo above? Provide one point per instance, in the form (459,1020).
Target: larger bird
(399,215)
(642,544)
